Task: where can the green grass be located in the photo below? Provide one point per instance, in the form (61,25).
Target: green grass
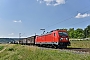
(80,44)
(19,52)
(1,47)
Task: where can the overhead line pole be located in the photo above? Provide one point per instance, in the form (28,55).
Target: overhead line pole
(19,36)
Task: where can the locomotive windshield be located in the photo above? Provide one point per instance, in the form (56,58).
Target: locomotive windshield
(63,34)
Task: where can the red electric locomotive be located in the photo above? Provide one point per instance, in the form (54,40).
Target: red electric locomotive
(57,38)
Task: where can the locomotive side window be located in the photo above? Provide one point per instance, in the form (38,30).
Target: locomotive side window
(54,34)
(63,34)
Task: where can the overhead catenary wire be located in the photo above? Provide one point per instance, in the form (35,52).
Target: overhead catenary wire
(60,22)
(77,23)
(65,19)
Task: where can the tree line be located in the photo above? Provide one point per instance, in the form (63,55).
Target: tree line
(79,32)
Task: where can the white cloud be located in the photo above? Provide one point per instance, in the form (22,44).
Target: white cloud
(11,34)
(52,2)
(79,15)
(17,21)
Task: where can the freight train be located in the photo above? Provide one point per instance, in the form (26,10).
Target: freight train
(55,38)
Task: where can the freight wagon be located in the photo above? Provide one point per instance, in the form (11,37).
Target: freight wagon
(31,40)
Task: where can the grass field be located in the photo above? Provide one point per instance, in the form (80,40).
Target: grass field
(22,52)
(1,47)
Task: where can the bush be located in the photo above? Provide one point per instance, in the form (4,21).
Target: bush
(11,49)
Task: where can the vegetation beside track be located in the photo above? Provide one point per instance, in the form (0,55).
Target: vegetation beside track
(23,52)
(1,47)
(80,44)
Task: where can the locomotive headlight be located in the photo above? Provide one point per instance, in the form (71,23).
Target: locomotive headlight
(66,38)
(61,38)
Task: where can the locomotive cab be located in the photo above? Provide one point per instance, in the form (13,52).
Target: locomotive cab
(64,38)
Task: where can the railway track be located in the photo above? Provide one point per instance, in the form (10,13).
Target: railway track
(76,50)
(80,49)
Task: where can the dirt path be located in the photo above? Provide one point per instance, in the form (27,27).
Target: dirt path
(2,50)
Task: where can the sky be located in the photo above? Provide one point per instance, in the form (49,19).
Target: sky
(29,16)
